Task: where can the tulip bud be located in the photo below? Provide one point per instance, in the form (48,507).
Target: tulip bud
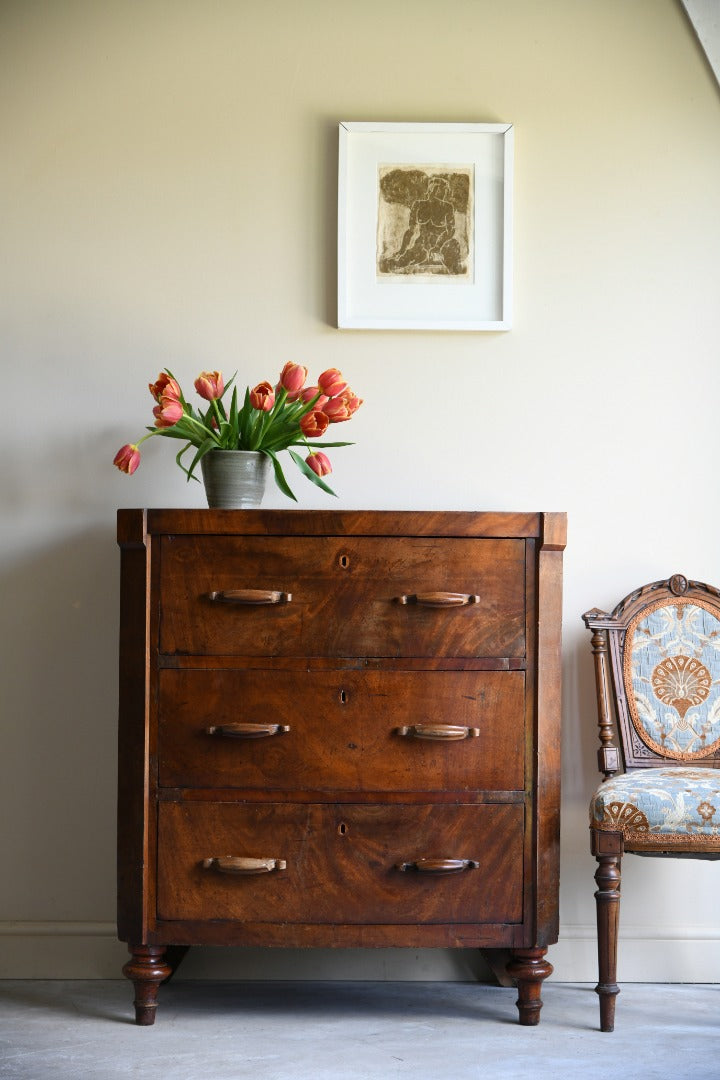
(331,382)
(262,397)
(127,458)
(292,378)
(314,424)
(319,463)
(210,385)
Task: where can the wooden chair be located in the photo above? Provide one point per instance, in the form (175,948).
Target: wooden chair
(657,669)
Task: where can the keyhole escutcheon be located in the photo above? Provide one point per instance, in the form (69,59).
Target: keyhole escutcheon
(344,561)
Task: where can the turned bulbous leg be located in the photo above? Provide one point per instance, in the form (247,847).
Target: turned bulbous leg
(529,968)
(146,969)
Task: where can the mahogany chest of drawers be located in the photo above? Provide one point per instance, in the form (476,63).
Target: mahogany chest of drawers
(339,729)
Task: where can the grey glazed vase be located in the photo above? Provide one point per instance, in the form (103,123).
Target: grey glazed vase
(235,479)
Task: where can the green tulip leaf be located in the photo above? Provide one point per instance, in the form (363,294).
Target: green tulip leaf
(244,417)
(234,416)
(280,477)
(178,460)
(203,449)
(321,445)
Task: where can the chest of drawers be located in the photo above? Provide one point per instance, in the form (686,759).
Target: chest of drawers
(339,729)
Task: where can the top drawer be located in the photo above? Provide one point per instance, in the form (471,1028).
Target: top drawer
(346,596)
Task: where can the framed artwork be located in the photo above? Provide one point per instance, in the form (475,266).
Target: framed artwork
(425,226)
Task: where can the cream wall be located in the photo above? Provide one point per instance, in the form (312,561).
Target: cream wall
(168,193)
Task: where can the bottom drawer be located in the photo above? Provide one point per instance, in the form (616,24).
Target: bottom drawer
(341,863)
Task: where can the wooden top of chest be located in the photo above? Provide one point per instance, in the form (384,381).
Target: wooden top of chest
(134,525)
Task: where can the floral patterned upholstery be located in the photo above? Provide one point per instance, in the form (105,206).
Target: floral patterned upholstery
(676,805)
(672,676)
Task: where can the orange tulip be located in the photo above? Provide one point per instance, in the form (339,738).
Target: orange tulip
(127,458)
(292,378)
(262,397)
(331,382)
(319,463)
(167,413)
(342,407)
(312,391)
(314,424)
(165,387)
(352,400)
(210,385)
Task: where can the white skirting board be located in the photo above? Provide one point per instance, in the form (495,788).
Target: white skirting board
(90,950)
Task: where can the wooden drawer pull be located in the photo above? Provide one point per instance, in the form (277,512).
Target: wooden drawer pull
(250,596)
(247,731)
(439,866)
(440,599)
(446,732)
(240,864)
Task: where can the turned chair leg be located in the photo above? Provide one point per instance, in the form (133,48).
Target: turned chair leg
(529,967)
(146,970)
(607,899)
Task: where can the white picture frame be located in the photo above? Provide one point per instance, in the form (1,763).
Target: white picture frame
(425,226)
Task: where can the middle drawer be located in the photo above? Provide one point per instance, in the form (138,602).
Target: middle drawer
(348,730)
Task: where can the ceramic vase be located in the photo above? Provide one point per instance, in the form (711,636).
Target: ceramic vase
(235,479)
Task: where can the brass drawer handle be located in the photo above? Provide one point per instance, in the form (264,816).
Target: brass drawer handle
(440,599)
(446,732)
(439,866)
(241,864)
(250,596)
(247,731)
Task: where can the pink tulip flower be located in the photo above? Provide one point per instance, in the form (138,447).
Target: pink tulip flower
(167,413)
(314,424)
(319,463)
(342,407)
(292,378)
(331,382)
(262,397)
(312,391)
(352,401)
(127,458)
(210,385)
(165,387)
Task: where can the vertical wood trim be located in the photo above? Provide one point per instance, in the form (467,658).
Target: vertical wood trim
(532,747)
(132,823)
(549,705)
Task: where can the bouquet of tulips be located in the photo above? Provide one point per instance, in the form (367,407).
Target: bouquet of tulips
(269,420)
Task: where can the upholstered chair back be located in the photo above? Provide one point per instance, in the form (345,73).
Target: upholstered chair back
(658,663)
(671,675)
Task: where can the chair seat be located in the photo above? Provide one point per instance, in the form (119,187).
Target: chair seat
(675,808)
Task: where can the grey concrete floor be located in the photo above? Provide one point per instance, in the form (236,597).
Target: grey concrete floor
(354,1031)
